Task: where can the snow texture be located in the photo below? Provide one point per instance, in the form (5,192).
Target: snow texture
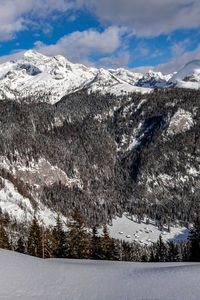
(24,277)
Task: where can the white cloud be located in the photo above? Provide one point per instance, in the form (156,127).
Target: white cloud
(121,59)
(15,15)
(13,56)
(178,61)
(144,17)
(180,47)
(147,17)
(78,46)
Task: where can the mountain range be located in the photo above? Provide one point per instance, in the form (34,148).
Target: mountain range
(37,77)
(108,141)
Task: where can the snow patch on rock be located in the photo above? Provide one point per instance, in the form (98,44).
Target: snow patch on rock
(180,122)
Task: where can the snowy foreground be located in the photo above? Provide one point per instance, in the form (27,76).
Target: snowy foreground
(24,277)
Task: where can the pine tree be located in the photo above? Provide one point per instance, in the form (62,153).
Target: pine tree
(172,253)
(35,239)
(20,245)
(49,243)
(95,244)
(161,250)
(108,247)
(58,240)
(78,238)
(194,239)
(152,255)
(4,241)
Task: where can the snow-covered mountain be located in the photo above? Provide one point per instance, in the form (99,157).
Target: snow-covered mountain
(48,79)
(42,78)
(154,79)
(188,76)
(112,149)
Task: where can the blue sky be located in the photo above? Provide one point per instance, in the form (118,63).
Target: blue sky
(157,34)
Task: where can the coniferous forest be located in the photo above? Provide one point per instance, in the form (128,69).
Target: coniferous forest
(79,243)
(134,153)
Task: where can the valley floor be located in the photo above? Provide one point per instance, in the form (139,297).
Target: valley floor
(129,230)
(24,277)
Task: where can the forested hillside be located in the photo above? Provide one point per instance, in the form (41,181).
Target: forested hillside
(104,153)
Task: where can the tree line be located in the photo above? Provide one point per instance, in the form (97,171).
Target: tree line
(79,243)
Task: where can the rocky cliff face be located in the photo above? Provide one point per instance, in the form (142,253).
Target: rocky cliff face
(105,153)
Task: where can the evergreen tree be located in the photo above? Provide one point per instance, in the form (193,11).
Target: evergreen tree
(50,243)
(108,247)
(95,244)
(172,253)
(194,239)
(20,245)
(35,239)
(4,241)
(152,255)
(161,250)
(78,238)
(58,240)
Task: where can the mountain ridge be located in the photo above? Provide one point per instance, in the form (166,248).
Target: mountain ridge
(37,77)
(106,152)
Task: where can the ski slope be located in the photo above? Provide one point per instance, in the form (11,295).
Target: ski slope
(24,277)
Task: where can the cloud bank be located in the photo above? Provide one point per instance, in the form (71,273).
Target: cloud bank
(147,18)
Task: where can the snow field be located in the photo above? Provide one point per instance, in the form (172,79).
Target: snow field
(130,230)
(26,278)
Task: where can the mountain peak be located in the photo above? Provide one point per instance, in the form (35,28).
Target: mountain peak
(190,74)
(33,54)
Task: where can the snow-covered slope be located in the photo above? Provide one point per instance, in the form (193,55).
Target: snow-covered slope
(24,277)
(41,78)
(126,75)
(37,77)
(188,76)
(106,82)
(130,230)
(154,79)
